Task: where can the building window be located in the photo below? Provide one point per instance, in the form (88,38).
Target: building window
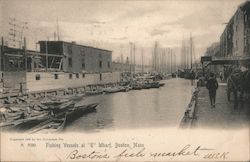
(82,53)
(108,64)
(101,77)
(69,50)
(70,62)
(83,75)
(38,77)
(77,75)
(100,64)
(70,76)
(245,17)
(83,63)
(56,76)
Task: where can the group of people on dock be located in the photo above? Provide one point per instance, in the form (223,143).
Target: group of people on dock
(237,82)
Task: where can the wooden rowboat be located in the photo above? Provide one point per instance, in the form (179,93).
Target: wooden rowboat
(51,126)
(93,92)
(161,84)
(25,124)
(63,107)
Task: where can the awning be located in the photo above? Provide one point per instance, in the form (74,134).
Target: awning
(225,60)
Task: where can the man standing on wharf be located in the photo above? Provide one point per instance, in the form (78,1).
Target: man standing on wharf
(212,86)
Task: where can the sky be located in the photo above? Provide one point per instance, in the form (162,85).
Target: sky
(113,24)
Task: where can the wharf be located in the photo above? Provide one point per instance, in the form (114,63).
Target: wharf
(12,95)
(223,116)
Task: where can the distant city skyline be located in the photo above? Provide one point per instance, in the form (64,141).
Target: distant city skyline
(113,24)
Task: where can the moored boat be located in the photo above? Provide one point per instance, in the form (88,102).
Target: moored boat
(80,111)
(115,89)
(161,84)
(151,84)
(93,92)
(50,126)
(128,88)
(25,124)
(53,102)
(154,84)
(63,107)
(137,86)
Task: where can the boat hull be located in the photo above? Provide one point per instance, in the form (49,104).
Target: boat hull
(25,124)
(79,112)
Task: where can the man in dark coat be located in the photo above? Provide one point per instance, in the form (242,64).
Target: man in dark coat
(212,86)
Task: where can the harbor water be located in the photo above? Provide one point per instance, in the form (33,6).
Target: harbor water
(159,107)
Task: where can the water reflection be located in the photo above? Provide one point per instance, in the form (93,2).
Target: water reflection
(147,108)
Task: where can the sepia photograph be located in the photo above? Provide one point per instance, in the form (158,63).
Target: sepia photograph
(125,80)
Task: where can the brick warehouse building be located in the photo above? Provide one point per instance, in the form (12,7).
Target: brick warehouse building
(77,58)
(235,39)
(63,65)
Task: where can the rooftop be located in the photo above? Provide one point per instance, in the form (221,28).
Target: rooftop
(74,43)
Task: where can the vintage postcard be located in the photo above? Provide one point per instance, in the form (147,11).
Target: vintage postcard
(126,80)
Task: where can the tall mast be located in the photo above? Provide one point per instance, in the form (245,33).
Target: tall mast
(176,63)
(142,60)
(57,29)
(25,54)
(152,60)
(164,61)
(47,60)
(187,55)
(130,45)
(2,54)
(155,53)
(134,55)
(171,55)
(183,58)
(184,55)
(191,51)
(161,61)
